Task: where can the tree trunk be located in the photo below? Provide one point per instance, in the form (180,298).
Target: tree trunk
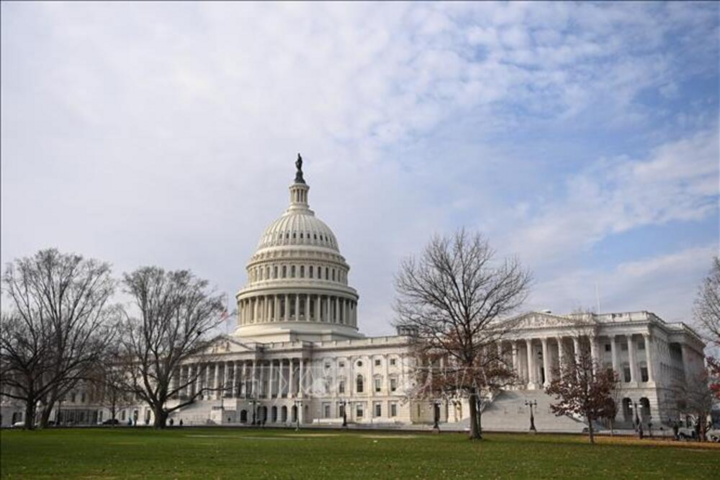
(590,430)
(472,403)
(30,413)
(479,416)
(160,418)
(45,417)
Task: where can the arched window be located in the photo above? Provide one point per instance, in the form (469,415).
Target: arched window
(310,271)
(275,271)
(302,271)
(333,274)
(359,384)
(327,273)
(284,271)
(292,271)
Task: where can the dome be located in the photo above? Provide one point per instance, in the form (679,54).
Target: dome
(297,285)
(298,227)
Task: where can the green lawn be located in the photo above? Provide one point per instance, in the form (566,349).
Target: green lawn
(310,454)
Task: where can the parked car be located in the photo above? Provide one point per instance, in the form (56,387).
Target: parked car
(18,425)
(713,435)
(111,421)
(687,433)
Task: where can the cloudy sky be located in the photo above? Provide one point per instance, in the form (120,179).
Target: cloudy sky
(582,138)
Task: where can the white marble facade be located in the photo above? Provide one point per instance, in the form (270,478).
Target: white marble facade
(297,354)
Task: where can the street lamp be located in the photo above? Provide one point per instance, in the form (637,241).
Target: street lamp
(253,404)
(343,404)
(532,404)
(638,423)
(436,414)
(298,408)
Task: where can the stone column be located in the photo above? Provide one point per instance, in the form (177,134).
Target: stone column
(594,353)
(576,348)
(531,364)
(386,380)
(515,358)
(271,379)
(649,357)
(287,307)
(561,355)
(253,381)
(301,380)
(615,360)
(291,375)
(188,381)
(215,381)
(686,361)
(244,382)
(317,308)
(234,380)
(546,361)
(632,358)
(307,307)
(297,307)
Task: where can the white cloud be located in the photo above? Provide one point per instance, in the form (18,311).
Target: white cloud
(679,181)
(664,284)
(165,133)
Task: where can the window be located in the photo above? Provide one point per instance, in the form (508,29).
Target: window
(327,365)
(626,372)
(377,363)
(284,271)
(359,410)
(341,386)
(359,363)
(341,364)
(641,344)
(310,271)
(292,271)
(82,398)
(326,410)
(333,274)
(607,347)
(378,409)
(378,384)
(275,272)
(644,374)
(341,410)
(393,409)
(623,347)
(302,271)
(393,384)
(359,384)
(327,273)
(392,362)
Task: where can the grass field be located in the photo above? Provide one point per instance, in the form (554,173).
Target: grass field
(244,453)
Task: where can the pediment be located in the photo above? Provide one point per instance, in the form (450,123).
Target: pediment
(542,320)
(228,344)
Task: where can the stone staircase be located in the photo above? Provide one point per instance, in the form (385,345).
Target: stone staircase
(507,413)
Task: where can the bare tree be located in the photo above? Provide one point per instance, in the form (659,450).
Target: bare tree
(584,388)
(173,316)
(57,327)
(456,299)
(694,399)
(707,303)
(110,381)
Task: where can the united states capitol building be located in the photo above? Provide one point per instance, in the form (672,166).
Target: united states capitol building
(298,354)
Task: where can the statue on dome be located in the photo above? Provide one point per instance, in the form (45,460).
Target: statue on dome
(299,174)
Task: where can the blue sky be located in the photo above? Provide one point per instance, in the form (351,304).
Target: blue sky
(582,138)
